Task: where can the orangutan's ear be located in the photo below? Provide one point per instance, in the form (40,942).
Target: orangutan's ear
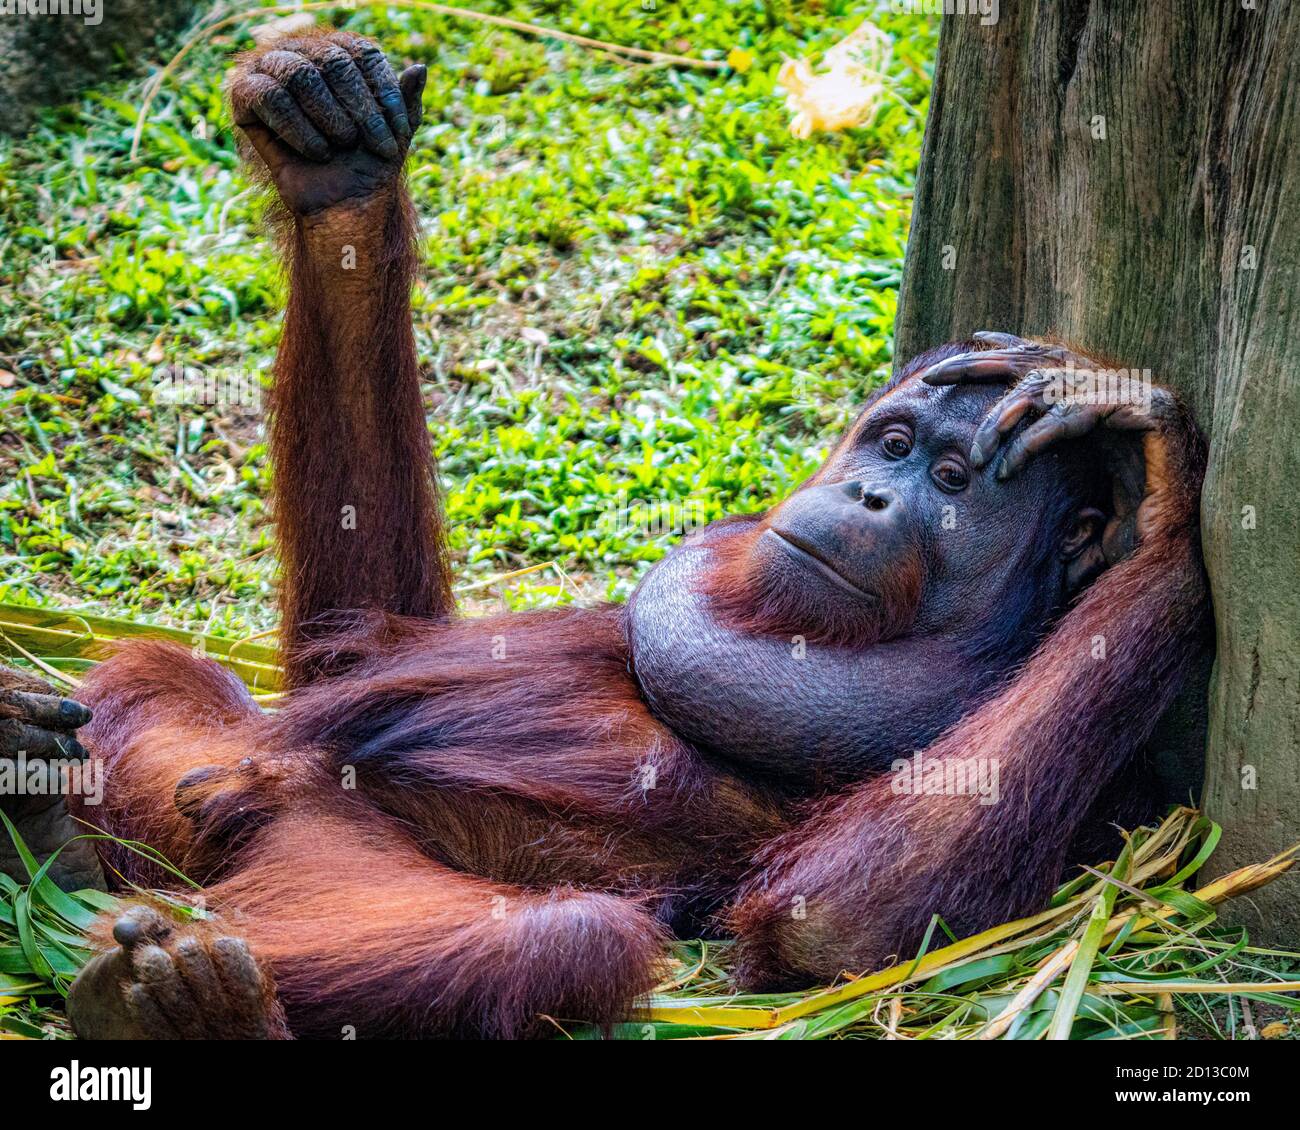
(1080,548)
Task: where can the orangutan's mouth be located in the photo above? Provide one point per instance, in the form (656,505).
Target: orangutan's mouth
(810,556)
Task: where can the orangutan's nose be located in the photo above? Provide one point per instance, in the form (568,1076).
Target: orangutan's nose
(872,497)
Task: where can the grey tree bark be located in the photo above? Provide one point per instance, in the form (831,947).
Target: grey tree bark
(1127,176)
(47,57)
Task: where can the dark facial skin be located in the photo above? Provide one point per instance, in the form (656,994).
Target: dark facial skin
(899,491)
(896,586)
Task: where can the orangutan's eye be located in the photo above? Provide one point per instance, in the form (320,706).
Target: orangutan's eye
(951,475)
(897,443)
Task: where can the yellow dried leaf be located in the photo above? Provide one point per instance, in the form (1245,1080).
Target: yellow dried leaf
(1274,1031)
(739,60)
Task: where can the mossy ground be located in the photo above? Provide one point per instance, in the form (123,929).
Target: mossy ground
(716,298)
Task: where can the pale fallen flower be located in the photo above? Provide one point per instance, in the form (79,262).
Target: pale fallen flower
(847,92)
(285,25)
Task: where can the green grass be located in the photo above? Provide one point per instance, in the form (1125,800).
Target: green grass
(717,299)
(43,940)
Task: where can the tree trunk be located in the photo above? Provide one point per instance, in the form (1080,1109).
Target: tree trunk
(47,58)
(1127,176)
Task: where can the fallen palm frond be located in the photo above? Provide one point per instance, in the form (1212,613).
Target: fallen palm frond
(1127,950)
(43,932)
(1110,959)
(42,944)
(73,641)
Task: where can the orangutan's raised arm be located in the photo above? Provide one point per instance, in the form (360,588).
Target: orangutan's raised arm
(355,498)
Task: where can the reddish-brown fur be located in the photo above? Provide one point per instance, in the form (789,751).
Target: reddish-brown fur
(469,882)
(872,867)
(463,827)
(354,531)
